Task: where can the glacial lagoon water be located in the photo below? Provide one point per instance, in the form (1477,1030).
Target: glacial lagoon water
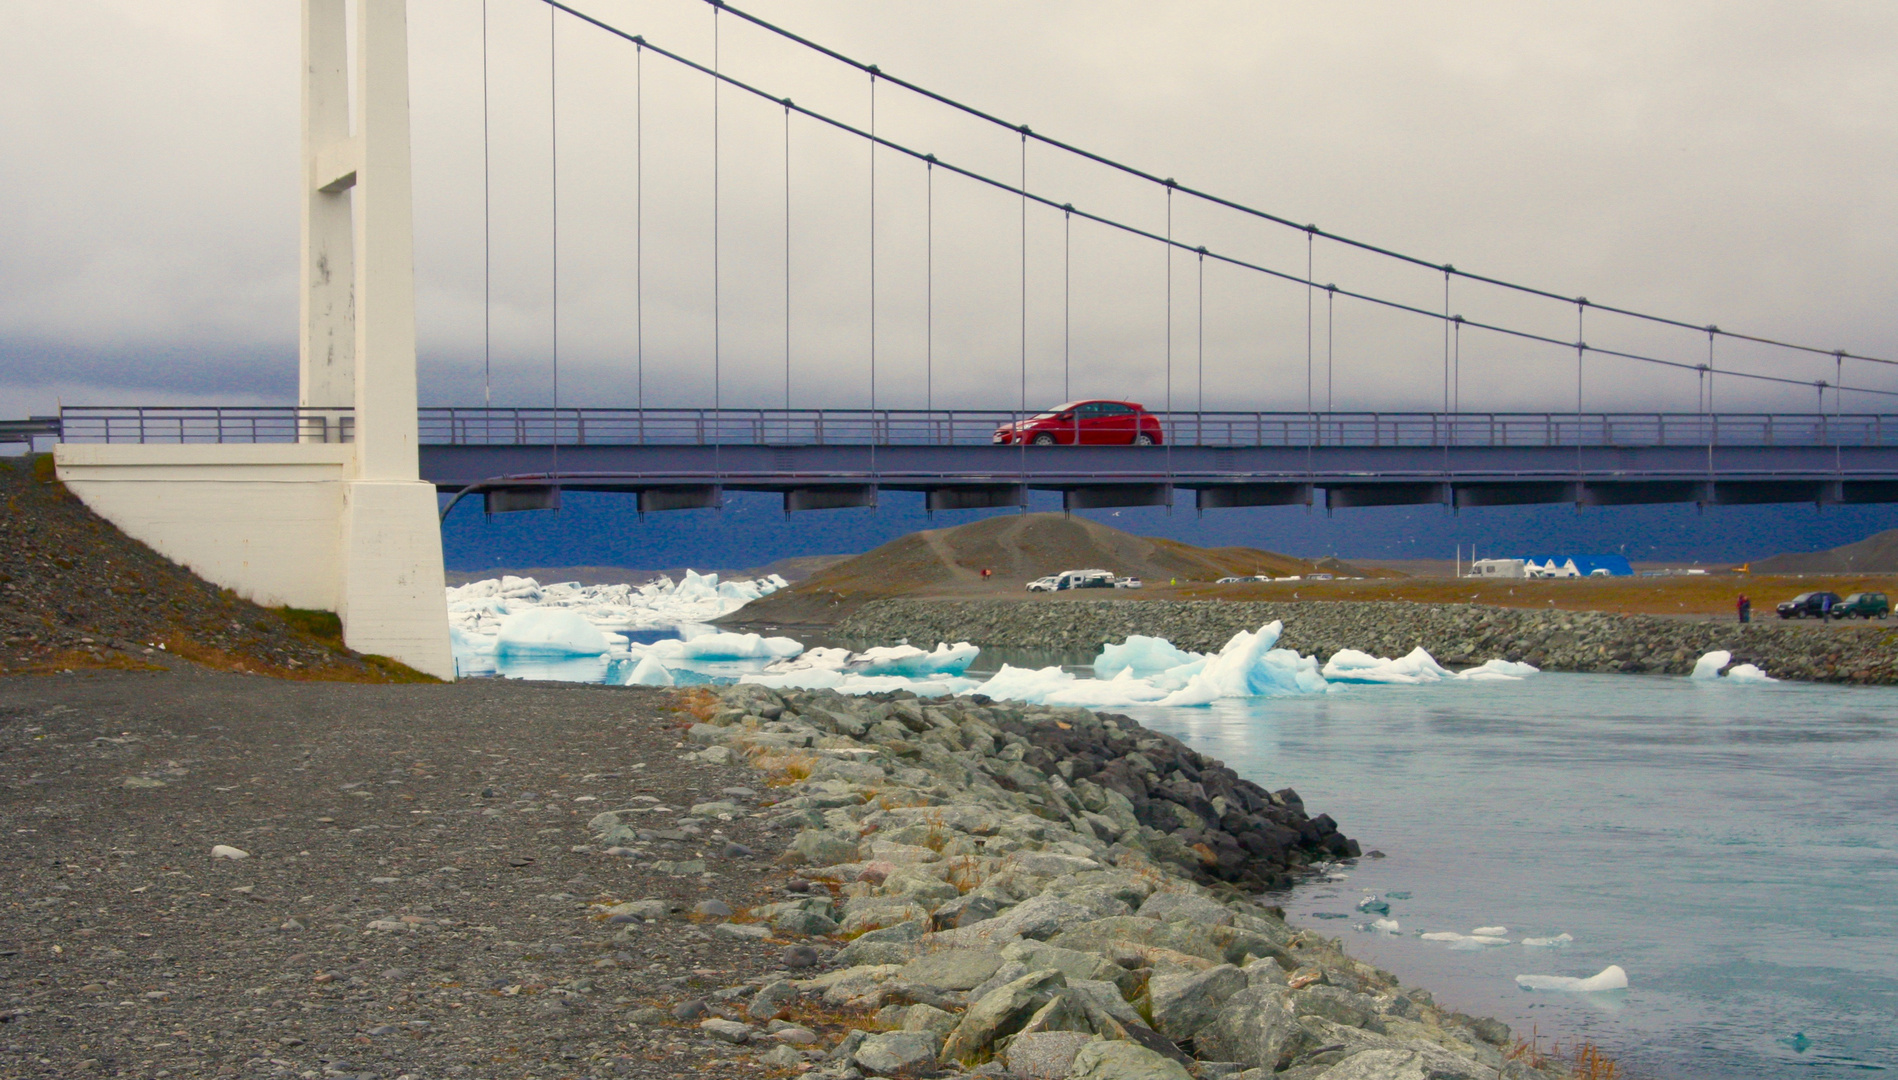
(1733,847)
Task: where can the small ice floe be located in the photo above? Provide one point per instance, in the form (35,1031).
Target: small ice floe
(1415,668)
(1709,665)
(719,645)
(1559,941)
(1329,915)
(1708,668)
(1797,1042)
(1490,931)
(1464,941)
(1385,926)
(649,672)
(1608,978)
(1499,671)
(1395,894)
(1374,905)
(226,851)
(909,660)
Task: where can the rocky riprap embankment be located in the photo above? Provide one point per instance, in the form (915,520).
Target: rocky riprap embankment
(1456,634)
(1012,910)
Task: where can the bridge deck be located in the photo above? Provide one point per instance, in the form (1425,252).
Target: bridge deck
(679,458)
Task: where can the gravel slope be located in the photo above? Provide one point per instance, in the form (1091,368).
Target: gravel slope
(127,949)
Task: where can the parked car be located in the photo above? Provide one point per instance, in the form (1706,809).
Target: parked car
(1231,580)
(1043,584)
(1809,605)
(1127,583)
(1865,605)
(1085,423)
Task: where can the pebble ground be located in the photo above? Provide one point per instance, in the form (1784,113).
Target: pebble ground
(457,813)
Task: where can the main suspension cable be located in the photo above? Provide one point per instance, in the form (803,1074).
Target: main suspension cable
(1134,230)
(1099,159)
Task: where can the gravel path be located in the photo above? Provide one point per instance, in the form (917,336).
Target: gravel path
(415,900)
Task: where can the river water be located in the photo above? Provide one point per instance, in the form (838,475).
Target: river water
(1734,848)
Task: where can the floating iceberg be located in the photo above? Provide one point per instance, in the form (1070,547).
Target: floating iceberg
(1464,941)
(1142,655)
(1499,670)
(1386,926)
(1415,668)
(1249,666)
(910,660)
(1559,941)
(845,682)
(1372,903)
(1608,978)
(1490,931)
(1708,668)
(649,672)
(723,646)
(549,632)
(478,608)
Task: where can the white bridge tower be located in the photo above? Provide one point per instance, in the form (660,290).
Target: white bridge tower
(340,520)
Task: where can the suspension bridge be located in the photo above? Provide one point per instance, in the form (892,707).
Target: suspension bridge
(350,478)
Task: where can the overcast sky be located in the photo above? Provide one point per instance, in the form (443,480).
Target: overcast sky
(1727,163)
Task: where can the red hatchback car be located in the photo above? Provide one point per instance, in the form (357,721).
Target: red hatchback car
(1086,423)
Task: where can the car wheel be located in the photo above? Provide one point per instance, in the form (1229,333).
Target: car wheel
(1143,439)
(1044,439)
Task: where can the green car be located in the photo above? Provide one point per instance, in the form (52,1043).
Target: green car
(1865,605)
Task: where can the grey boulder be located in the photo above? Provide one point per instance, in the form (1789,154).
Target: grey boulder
(1184,1003)
(1256,1026)
(1121,1060)
(895,1053)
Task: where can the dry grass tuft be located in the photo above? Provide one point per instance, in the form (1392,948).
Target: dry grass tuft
(698,702)
(375,669)
(783,770)
(81,660)
(966,872)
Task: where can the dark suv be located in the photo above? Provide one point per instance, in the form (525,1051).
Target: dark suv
(1810,605)
(1865,605)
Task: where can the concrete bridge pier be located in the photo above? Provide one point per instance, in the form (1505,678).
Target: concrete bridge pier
(340,520)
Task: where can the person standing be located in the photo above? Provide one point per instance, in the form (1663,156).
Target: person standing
(1745,608)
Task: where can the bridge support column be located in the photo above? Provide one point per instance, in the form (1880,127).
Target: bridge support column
(325,524)
(394,602)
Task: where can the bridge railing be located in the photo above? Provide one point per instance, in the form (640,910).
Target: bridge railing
(973,427)
(204,424)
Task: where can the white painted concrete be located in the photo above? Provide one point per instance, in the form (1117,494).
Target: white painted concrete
(327,346)
(386,432)
(259,520)
(349,528)
(393,592)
